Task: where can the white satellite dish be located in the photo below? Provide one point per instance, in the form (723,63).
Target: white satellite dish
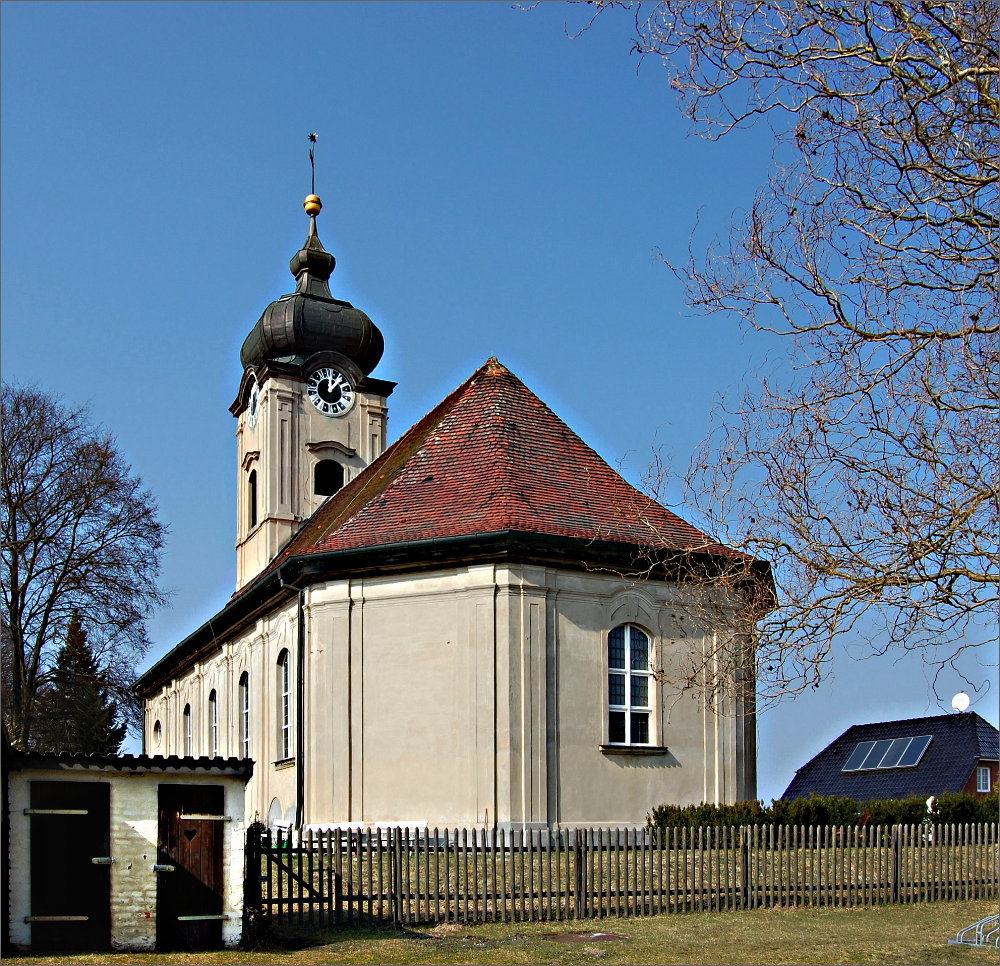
(960,702)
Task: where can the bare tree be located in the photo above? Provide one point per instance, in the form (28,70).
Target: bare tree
(869,476)
(80,536)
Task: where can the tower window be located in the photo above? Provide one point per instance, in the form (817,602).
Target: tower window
(328,477)
(252,499)
(188,736)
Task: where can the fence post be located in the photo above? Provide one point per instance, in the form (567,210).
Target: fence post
(896,864)
(744,869)
(396,877)
(253,899)
(578,872)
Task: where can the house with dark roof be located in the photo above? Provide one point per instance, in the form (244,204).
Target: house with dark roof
(456,629)
(896,759)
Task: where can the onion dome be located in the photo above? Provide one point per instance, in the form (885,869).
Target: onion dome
(310,319)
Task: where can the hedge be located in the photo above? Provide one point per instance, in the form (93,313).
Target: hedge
(830,810)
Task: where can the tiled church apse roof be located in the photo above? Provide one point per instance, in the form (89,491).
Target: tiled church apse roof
(491,457)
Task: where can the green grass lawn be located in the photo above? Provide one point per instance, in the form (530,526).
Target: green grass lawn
(883,934)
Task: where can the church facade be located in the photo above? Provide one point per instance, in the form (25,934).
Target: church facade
(450,631)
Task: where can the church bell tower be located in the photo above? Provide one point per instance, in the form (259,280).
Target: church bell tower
(309,415)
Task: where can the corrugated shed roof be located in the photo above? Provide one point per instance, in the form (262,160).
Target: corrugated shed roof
(959,741)
(131,764)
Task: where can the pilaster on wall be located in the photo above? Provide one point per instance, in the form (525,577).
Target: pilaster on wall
(522,720)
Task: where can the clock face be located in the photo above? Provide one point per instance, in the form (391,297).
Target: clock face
(253,405)
(330,391)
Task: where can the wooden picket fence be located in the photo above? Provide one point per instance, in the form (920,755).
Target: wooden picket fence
(475,875)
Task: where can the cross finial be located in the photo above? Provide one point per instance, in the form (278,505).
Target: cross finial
(312,161)
(312,204)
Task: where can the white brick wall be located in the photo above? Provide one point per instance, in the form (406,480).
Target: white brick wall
(134,824)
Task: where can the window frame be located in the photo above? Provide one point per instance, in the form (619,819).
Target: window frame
(284,705)
(252,499)
(981,771)
(188,731)
(630,674)
(244,692)
(213,723)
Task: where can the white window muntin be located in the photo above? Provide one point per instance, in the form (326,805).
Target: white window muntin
(983,782)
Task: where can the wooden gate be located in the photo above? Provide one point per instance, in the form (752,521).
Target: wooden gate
(70,865)
(189,891)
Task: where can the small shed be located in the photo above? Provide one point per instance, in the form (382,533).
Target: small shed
(131,852)
(896,759)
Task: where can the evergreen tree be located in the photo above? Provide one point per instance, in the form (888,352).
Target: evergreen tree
(74,711)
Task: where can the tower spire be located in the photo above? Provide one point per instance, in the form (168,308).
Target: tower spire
(312,265)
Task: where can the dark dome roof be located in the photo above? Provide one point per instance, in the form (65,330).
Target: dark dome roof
(310,319)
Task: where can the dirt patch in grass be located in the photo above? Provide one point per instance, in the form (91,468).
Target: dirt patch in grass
(581,937)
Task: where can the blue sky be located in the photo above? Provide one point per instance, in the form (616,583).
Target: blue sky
(492,185)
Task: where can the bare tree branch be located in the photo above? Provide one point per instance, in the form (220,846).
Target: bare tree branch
(868,476)
(80,536)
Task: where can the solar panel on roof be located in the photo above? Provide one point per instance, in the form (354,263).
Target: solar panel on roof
(875,755)
(858,756)
(887,753)
(915,752)
(896,751)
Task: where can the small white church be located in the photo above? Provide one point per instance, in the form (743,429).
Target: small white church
(443,632)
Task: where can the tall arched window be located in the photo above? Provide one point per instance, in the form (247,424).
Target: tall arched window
(252,500)
(284,709)
(188,734)
(245,715)
(213,723)
(629,686)
(328,477)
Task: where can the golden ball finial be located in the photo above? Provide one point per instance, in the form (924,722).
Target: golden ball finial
(312,205)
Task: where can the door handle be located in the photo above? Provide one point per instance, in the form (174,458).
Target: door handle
(103,860)
(164,868)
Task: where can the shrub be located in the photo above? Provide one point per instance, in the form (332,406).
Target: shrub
(830,810)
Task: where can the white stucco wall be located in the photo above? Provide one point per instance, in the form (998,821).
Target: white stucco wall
(134,826)
(468,696)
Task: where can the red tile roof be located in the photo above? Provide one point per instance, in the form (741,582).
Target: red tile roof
(489,458)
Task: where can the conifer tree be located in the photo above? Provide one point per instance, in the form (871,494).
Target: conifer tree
(74,712)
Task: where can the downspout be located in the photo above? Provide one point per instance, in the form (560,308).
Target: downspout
(300,664)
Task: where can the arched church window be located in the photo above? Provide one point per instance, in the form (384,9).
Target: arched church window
(188,734)
(245,714)
(629,686)
(252,499)
(213,723)
(284,709)
(328,477)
